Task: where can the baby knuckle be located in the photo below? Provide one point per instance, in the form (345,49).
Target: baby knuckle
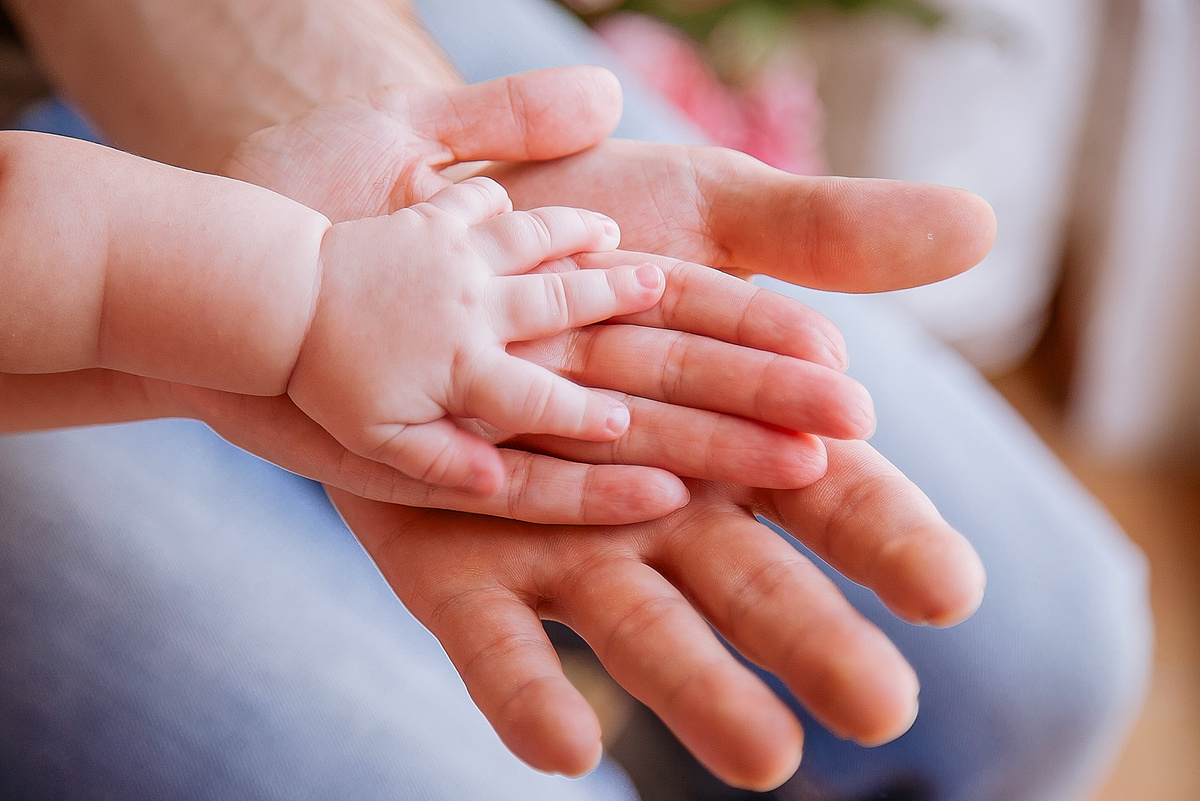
(558,301)
(539,230)
(540,403)
(442,466)
(488,190)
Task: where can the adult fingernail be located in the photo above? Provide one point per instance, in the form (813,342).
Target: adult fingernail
(618,420)
(649,276)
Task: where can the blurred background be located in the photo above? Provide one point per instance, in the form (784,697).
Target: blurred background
(1079,120)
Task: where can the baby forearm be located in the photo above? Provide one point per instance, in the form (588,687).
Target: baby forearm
(112,261)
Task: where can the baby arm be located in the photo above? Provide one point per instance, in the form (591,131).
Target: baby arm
(380,328)
(113,261)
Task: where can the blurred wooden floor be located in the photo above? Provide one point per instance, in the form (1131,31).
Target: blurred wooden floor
(1159,507)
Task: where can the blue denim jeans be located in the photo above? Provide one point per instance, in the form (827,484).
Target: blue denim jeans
(181,620)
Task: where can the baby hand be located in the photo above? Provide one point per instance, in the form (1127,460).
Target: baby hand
(412,316)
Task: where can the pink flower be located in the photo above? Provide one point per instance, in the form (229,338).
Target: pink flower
(776,118)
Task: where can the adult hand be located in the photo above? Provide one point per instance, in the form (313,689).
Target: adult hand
(537,488)
(644,596)
(641,594)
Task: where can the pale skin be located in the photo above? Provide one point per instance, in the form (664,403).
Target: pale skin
(630,590)
(380,329)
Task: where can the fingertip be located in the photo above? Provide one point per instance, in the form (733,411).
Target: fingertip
(897,730)
(616,423)
(608,85)
(677,495)
(893,708)
(651,277)
(490,187)
(803,463)
(862,413)
(486,476)
(737,727)
(960,229)
(553,729)
(612,231)
(568,109)
(933,577)
(602,89)
(786,326)
(981,222)
(788,764)
(775,757)
(782,767)
(771,778)
(856,419)
(858,685)
(661,493)
(578,767)
(817,338)
(836,355)
(963,594)
(636,288)
(624,494)
(927,232)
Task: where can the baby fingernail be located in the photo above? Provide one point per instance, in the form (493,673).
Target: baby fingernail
(618,419)
(649,276)
(610,226)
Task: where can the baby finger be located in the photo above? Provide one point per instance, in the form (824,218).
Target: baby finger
(535,306)
(518,242)
(522,398)
(473,200)
(440,453)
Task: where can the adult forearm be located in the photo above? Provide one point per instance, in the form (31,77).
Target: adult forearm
(183,81)
(86,397)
